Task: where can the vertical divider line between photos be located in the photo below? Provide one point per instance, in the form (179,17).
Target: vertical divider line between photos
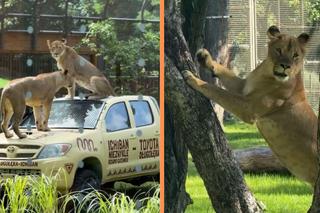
(161,73)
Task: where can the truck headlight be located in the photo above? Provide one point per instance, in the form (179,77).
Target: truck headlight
(54,150)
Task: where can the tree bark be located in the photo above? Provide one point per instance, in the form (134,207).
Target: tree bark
(176,164)
(194,123)
(315,206)
(216,41)
(258,160)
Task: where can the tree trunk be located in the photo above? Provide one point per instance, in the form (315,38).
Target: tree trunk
(194,123)
(216,41)
(315,206)
(176,164)
(258,160)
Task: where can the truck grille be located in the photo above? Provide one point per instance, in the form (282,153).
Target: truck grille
(21,146)
(20,172)
(19,151)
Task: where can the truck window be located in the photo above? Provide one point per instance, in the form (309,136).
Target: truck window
(142,113)
(117,118)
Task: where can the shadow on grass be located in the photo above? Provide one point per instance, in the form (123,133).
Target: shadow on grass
(283,188)
(203,204)
(144,190)
(278,183)
(243,135)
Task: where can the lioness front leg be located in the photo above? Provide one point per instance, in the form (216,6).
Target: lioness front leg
(234,103)
(228,78)
(37,112)
(71,91)
(46,110)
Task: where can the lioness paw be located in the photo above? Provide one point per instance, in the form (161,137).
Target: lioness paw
(203,57)
(8,135)
(21,136)
(186,74)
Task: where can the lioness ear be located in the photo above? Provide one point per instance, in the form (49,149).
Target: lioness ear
(273,32)
(49,44)
(64,41)
(303,38)
(65,72)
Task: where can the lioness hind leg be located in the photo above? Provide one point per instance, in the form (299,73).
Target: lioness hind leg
(7,114)
(18,112)
(101,87)
(16,119)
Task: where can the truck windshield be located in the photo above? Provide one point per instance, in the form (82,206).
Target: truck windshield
(70,114)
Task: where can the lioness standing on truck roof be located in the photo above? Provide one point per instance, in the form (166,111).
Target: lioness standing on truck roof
(85,73)
(37,92)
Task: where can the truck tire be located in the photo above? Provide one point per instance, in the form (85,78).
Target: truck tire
(85,179)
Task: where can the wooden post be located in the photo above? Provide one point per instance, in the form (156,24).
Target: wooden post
(315,206)
(35,21)
(66,20)
(3,13)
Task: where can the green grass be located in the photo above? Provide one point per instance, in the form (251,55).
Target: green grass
(3,82)
(39,194)
(241,135)
(279,193)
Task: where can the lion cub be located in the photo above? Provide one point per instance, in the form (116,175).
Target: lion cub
(37,92)
(84,73)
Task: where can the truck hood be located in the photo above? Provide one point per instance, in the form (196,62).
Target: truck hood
(43,138)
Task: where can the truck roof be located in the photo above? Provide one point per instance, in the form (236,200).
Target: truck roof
(138,97)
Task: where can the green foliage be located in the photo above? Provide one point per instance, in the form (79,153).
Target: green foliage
(130,52)
(3,82)
(313,7)
(125,53)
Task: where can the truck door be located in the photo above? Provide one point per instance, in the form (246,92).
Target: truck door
(147,130)
(120,138)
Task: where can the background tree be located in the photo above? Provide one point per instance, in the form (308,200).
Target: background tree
(191,124)
(130,50)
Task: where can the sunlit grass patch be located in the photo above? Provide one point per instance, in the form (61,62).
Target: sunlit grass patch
(3,82)
(241,135)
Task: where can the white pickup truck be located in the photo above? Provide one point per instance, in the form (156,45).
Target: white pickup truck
(91,142)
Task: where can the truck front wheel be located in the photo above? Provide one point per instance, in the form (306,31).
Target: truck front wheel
(85,179)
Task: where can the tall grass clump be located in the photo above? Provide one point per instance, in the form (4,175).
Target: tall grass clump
(98,201)
(39,194)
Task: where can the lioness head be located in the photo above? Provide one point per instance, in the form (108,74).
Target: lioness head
(57,47)
(286,52)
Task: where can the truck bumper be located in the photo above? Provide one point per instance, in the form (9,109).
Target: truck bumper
(58,168)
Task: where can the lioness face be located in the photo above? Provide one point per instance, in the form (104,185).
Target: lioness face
(286,52)
(56,48)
